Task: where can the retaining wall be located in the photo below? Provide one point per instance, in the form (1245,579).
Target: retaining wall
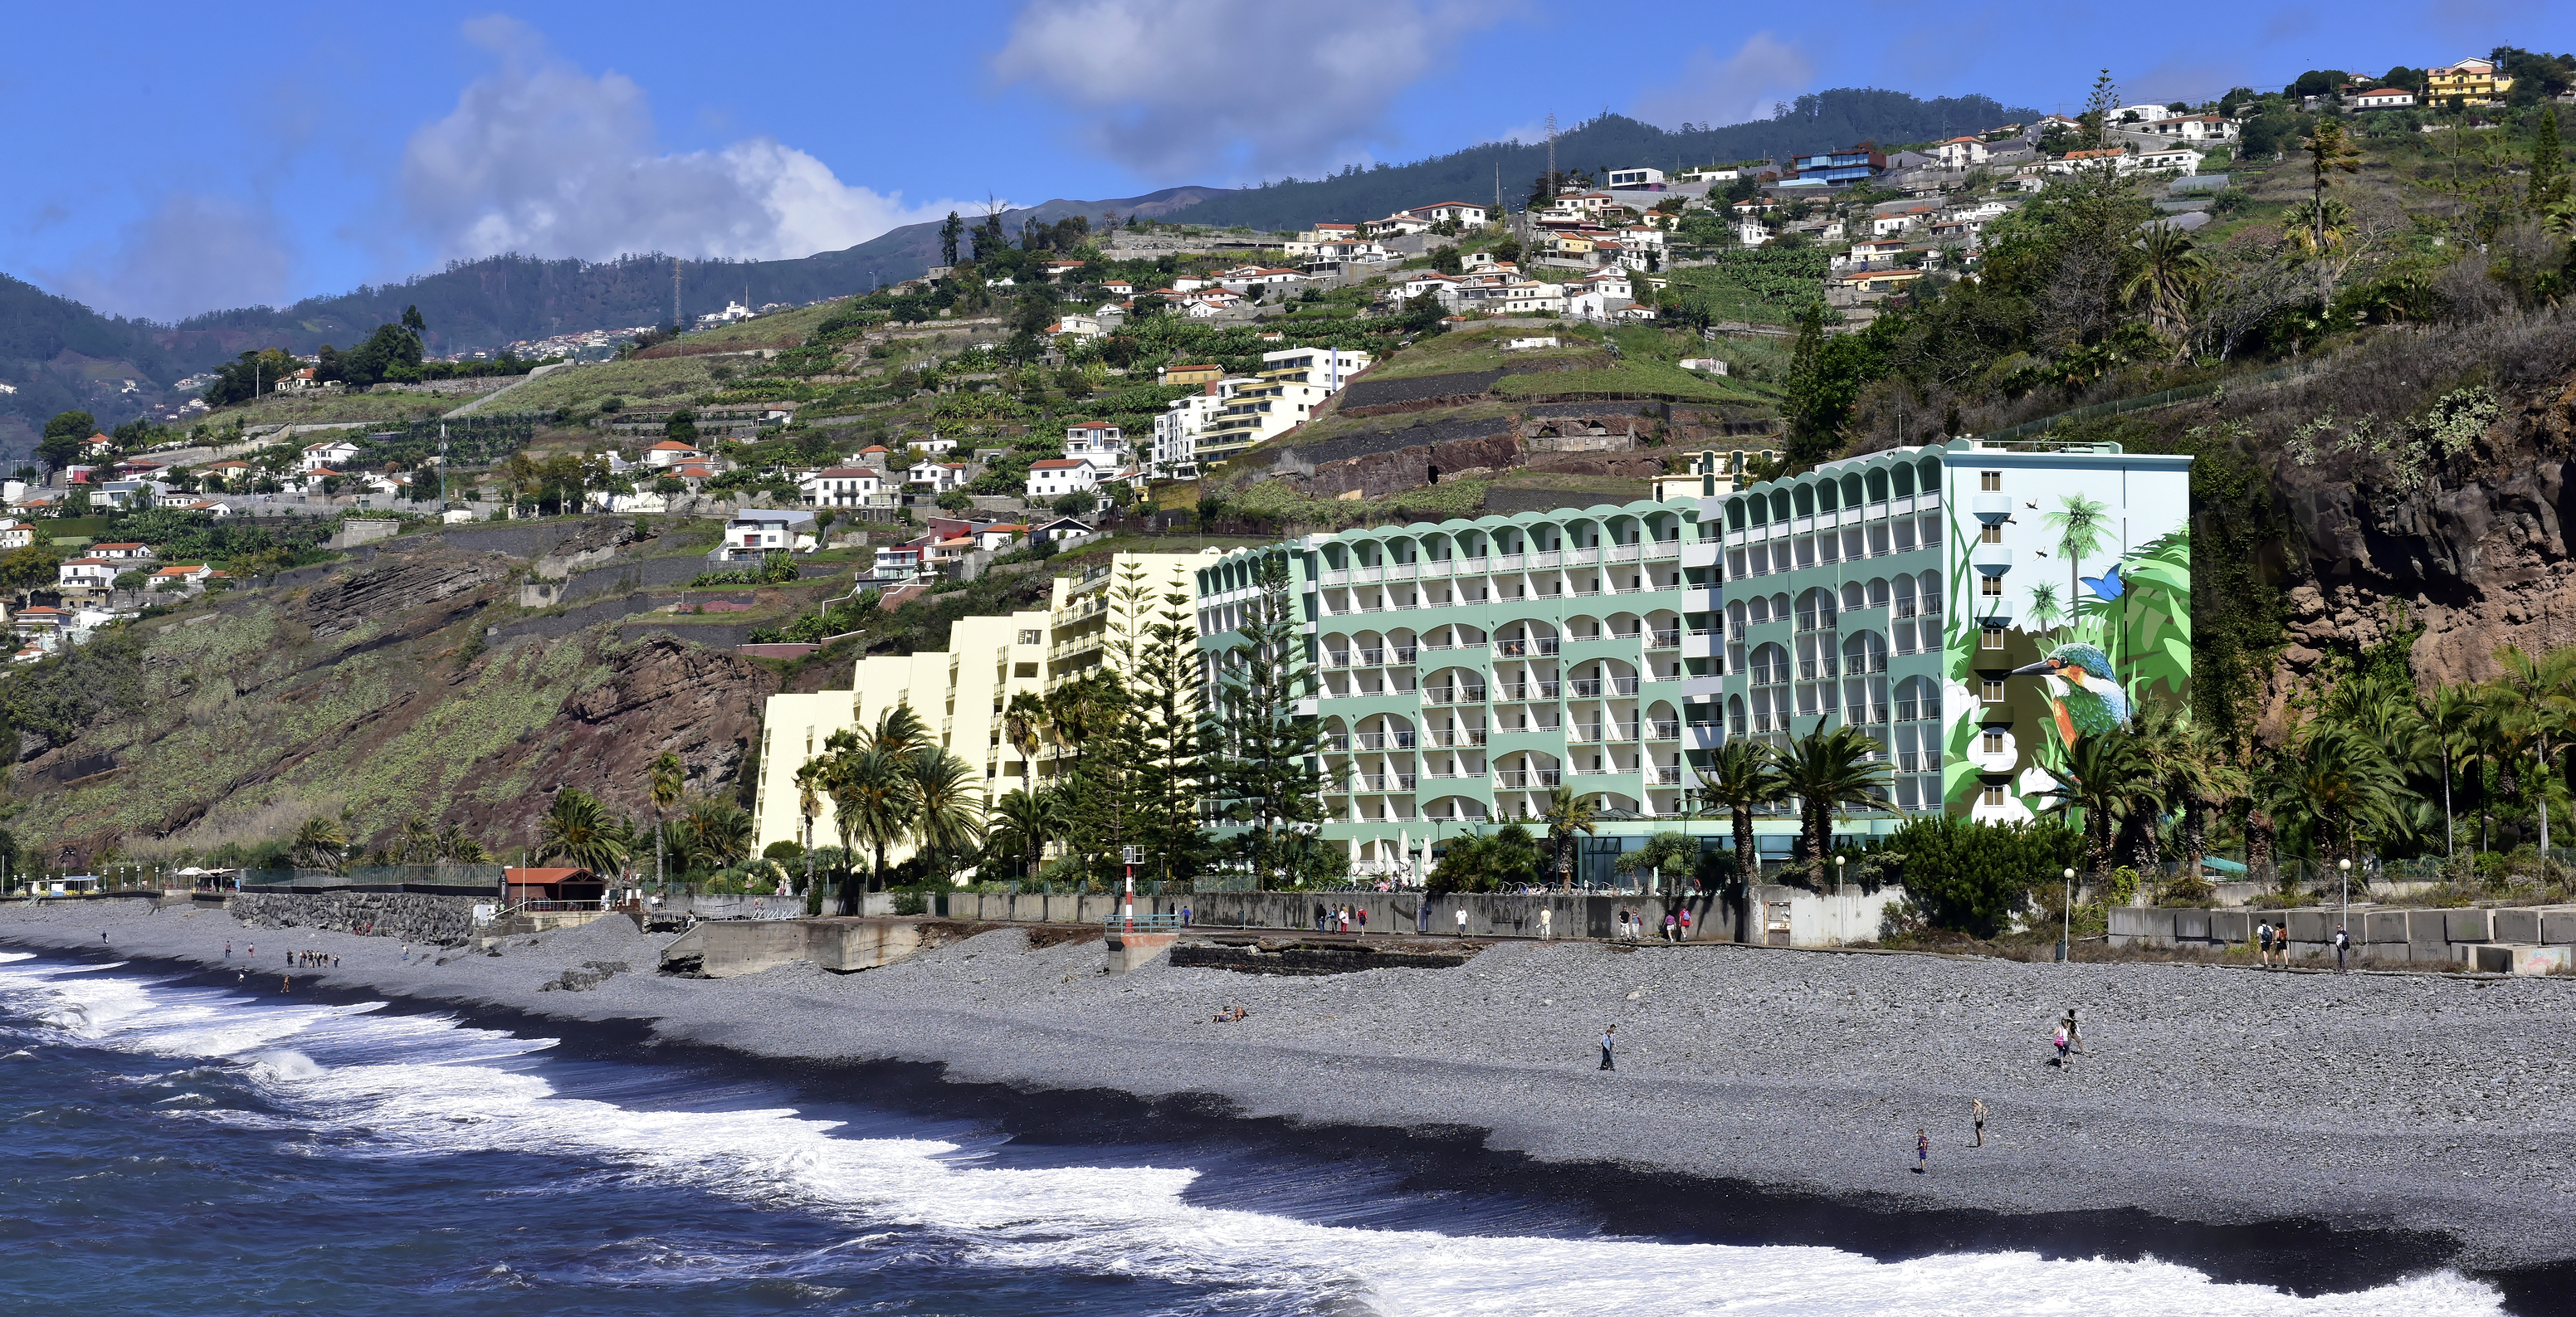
(439,920)
(1810,919)
(2446,937)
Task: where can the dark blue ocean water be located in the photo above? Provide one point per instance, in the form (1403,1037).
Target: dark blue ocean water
(176,1148)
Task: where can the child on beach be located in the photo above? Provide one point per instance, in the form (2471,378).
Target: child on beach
(2060,1062)
(1922,1153)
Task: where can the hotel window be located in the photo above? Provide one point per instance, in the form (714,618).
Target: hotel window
(1991,533)
(1991,691)
(1993,638)
(1994,797)
(1032,637)
(1991,482)
(1992,742)
(1991,587)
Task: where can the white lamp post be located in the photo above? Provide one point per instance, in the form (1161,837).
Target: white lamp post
(1842,912)
(2066,918)
(2343,873)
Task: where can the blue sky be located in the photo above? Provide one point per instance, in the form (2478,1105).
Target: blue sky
(166,161)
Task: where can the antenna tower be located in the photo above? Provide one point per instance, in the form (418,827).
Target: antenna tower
(675,294)
(1551,157)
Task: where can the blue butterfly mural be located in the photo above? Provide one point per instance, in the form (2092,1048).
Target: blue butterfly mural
(2108,585)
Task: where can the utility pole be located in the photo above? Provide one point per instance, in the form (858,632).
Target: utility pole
(675,294)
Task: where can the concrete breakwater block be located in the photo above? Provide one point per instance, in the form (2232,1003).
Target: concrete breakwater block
(2231,926)
(2513,958)
(2468,925)
(1134,950)
(2384,927)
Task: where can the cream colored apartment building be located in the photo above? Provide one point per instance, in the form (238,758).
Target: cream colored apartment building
(961,692)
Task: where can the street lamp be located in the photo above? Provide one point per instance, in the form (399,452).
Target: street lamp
(2343,872)
(1842,912)
(2066,918)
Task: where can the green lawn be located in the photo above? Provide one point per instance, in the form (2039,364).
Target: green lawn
(1642,378)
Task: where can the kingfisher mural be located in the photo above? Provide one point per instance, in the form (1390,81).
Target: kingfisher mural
(2069,665)
(2093,702)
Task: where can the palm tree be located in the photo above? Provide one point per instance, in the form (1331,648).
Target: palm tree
(319,844)
(2078,522)
(666,779)
(809,802)
(576,829)
(1568,814)
(2168,281)
(1828,772)
(2339,783)
(872,801)
(1743,777)
(1022,722)
(2096,784)
(457,847)
(417,841)
(2449,722)
(947,804)
(2199,773)
(1025,822)
(718,833)
(2044,609)
(2537,700)
(900,731)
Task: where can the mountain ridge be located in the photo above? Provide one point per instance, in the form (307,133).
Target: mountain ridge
(57,354)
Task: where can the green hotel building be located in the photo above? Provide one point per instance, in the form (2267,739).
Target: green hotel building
(1467,668)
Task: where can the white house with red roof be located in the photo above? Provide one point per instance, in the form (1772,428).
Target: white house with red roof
(937,477)
(15,534)
(1079,326)
(1466,214)
(123,550)
(1056,477)
(1961,153)
(43,619)
(179,576)
(2386,98)
(671,452)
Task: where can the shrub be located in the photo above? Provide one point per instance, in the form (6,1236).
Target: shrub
(1976,878)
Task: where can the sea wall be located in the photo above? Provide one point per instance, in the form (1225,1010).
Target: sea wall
(1789,916)
(2473,937)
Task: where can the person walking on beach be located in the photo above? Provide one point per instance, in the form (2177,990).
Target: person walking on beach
(1422,917)
(1462,921)
(2074,1033)
(1362,913)
(2060,1061)
(2263,943)
(1546,923)
(228,951)
(1683,931)
(1609,1040)
(1922,1153)
(1669,927)
(2343,945)
(1977,1113)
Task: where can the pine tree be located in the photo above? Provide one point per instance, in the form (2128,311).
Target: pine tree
(950,230)
(1171,766)
(1267,776)
(2548,161)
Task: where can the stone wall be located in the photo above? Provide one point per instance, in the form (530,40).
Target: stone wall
(439,920)
(1810,919)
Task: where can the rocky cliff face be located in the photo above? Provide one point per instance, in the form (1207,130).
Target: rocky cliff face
(381,687)
(2466,529)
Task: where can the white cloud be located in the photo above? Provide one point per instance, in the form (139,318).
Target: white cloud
(1741,87)
(1246,87)
(192,252)
(542,158)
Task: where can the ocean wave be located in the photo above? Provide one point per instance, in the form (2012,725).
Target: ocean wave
(360,1083)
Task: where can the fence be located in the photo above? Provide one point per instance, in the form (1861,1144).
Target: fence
(2168,397)
(387,877)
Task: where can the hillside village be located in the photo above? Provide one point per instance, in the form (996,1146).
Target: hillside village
(1095,436)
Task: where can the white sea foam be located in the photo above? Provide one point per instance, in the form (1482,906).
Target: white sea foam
(410,1086)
